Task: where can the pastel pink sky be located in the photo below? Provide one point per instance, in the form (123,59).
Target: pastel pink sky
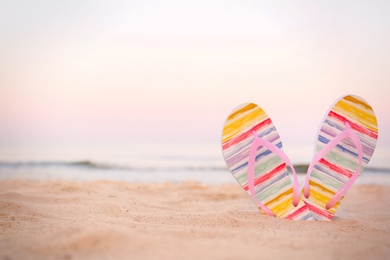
(146,70)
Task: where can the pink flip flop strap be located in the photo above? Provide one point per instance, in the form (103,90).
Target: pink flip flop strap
(347,133)
(257,142)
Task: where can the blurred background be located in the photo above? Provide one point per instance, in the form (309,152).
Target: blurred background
(125,89)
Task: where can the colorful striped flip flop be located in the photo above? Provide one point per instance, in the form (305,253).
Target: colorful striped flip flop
(345,144)
(253,152)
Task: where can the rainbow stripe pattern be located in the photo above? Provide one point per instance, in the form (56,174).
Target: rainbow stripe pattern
(336,167)
(272,183)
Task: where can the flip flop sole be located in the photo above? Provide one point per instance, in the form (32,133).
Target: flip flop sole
(272,183)
(336,167)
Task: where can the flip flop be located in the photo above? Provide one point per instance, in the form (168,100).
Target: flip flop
(252,150)
(346,141)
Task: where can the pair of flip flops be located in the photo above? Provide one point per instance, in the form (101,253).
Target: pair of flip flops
(254,154)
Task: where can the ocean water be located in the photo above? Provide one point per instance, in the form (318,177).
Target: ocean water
(145,162)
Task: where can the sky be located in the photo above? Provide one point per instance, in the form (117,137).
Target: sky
(173,70)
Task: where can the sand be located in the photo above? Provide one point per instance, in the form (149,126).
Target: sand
(117,220)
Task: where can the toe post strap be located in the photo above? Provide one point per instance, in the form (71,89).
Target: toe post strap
(347,133)
(258,142)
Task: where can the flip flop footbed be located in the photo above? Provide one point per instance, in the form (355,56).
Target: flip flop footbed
(272,183)
(336,167)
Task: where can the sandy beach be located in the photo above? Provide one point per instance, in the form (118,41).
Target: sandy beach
(118,220)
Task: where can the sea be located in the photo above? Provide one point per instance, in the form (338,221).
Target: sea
(145,162)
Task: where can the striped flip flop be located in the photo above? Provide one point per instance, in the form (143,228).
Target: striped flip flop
(345,144)
(253,152)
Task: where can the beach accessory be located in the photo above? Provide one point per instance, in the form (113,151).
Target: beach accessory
(346,141)
(253,152)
